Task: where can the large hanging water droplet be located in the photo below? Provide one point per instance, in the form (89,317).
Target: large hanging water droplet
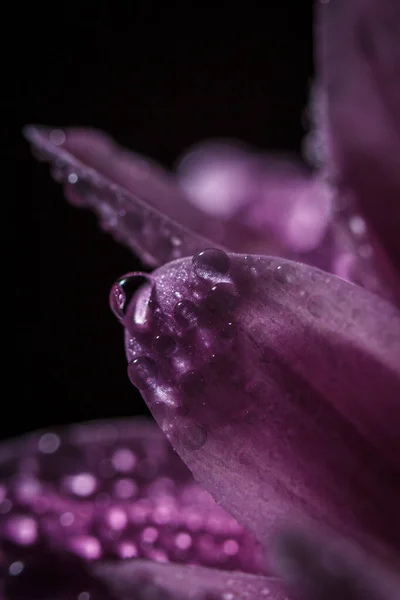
(142,372)
(186,313)
(211,262)
(122,293)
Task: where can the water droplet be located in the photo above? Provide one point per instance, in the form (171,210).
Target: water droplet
(72,178)
(122,293)
(59,170)
(127,550)
(66,519)
(193,436)
(160,410)
(124,460)
(149,535)
(16,568)
(86,546)
(183,541)
(49,443)
(176,241)
(164,345)
(357,225)
(211,262)
(316,306)
(23,530)
(83,484)
(142,372)
(186,313)
(192,383)
(222,298)
(285,273)
(57,137)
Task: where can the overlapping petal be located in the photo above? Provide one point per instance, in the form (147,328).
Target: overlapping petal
(112,491)
(277,384)
(359,75)
(131,219)
(176,582)
(222,192)
(317,570)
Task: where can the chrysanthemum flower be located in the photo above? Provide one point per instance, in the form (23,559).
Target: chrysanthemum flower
(266,343)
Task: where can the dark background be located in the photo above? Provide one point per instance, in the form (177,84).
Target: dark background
(158,77)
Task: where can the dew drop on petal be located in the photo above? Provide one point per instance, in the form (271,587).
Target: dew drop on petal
(186,313)
(142,372)
(122,293)
(222,298)
(183,541)
(16,568)
(83,484)
(23,530)
(210,263)
(164,345)
(193,436)
(57,137)
(285,273)
(124,460)
(86,546)
(127,550)
(316,306)
(49,443)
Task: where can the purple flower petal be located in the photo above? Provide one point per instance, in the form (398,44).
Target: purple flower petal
(283,384)
(317,570)
(177,582)
(275,200)
(106,490)
(231,195)
(360,78)
(95,183)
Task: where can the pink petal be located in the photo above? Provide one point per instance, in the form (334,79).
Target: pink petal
(142,579)
(96,183)
(360,64)
(277,384)
(108,490)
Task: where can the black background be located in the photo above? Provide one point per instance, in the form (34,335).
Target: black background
(158,77)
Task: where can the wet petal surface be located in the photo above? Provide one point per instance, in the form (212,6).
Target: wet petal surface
(360,76)
(283,384)
(106,490)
